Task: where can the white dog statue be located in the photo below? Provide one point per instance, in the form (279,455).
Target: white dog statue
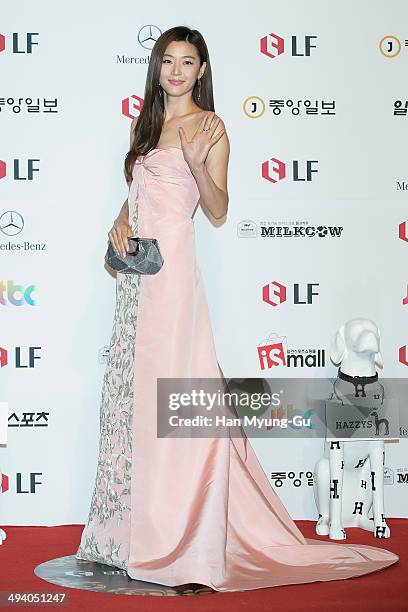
(349,478)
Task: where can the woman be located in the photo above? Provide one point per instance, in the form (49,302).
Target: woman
(190,510)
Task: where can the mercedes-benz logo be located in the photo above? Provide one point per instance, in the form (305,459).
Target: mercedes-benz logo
(148,35)
(11,223)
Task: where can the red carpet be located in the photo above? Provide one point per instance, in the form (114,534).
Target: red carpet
(387,590)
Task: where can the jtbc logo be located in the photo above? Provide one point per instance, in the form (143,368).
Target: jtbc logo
(27,362)
(20,43)
(18,173)
(132,106)
(275,293)
(27,484)
(277,171)
(273,45)
(10,294)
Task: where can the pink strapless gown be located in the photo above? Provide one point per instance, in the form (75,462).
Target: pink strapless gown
(175,511)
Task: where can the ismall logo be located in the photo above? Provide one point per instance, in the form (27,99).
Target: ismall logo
(20,43)
(273,352)
(23,484)
(9,292)
(272,45)
(132,106)
(274,293)
(22,171)
(23,357)
(274,170)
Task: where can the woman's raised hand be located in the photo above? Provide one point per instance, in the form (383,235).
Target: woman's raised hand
(196,150)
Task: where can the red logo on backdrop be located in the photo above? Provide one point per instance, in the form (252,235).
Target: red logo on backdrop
(4,483)
(405,299)
(402,231)
(279,292)
(402,354)
(271,353)
(2,42)
(301,171)
(3,357)
(132,106)
(2,169)
(279,170)
(272,45)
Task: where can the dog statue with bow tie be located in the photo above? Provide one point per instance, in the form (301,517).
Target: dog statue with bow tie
(349,478)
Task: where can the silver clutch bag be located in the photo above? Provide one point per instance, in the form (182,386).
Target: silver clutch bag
(143,257)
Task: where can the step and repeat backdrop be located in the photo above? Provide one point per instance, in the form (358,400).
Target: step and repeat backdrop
(315,100)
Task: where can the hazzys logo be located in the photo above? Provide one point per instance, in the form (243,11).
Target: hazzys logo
(19,42)
(272,45)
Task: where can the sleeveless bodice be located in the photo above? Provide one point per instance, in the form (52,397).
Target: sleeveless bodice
(163,190)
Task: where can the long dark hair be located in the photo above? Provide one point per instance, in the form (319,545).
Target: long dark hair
(150,122)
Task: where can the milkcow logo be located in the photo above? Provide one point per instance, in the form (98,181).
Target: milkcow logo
(272,45)
(275,170)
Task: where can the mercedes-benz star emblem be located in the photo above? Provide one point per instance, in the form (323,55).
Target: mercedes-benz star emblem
(148,35)
(11,223)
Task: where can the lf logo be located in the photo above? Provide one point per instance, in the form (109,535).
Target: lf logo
(18,174)
(27,362)
(132,106)
(273,45)
(9,295)
(402,355)
(30,482)
(20,43)
(402,231)
(276,171)
(275,293)
(4,483)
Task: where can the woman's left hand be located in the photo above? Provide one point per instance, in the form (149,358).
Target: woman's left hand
(196,150)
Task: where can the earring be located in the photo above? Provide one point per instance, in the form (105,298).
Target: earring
(199,89)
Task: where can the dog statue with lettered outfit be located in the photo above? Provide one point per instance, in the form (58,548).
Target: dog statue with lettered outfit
(349,478)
